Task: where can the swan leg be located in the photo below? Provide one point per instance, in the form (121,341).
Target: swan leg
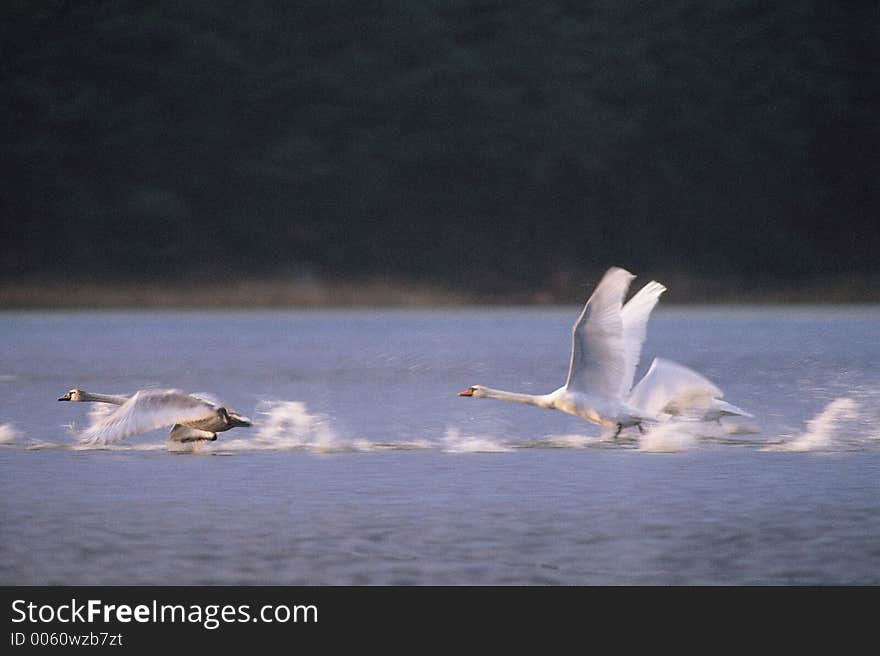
(619,428)
(641,430)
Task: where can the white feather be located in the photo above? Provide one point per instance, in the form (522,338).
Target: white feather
(635,328)
(597,347)
(672,388)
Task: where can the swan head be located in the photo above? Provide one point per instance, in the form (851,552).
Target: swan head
(73,395)
(474,390)
(232,419)
(224,415)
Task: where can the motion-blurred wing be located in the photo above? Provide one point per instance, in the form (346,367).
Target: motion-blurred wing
(597,346)
(674,389)
(207,397)
(635,328)
(145,411)
(98,411)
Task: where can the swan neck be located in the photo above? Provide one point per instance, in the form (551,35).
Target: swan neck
(516,397)
(115,399)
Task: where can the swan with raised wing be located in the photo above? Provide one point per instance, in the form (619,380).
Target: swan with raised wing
(192,417)
(606,345)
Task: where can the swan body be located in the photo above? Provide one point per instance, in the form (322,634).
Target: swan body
(606,345)
(191,417)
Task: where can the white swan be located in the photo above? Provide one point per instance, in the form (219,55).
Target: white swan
(606,347)
(191,417)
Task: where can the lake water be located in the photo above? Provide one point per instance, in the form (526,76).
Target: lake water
(364,466)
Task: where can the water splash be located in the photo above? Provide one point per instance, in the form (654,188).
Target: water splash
(841,425)
(9,434)
(685,433)
(289,425)
(455,442)
(670,437)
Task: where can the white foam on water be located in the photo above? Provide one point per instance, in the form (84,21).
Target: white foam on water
(290,425)
(843,424)
(284,426)
(740,425)
(670,437)
(455,442)
(9,434)
(685,433)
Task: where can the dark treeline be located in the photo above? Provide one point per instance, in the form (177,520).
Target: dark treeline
(493,144)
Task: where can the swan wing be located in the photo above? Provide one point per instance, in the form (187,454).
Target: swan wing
(635,328)
(597,345)
(672,388)
(146,410)
(207,397)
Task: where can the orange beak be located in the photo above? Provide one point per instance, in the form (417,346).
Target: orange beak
(467,392)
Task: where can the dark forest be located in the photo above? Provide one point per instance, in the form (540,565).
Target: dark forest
(493,146)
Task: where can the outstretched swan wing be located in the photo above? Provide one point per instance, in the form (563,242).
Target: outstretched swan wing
(635,327)
(672,388)
(146,410)
(597,346)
